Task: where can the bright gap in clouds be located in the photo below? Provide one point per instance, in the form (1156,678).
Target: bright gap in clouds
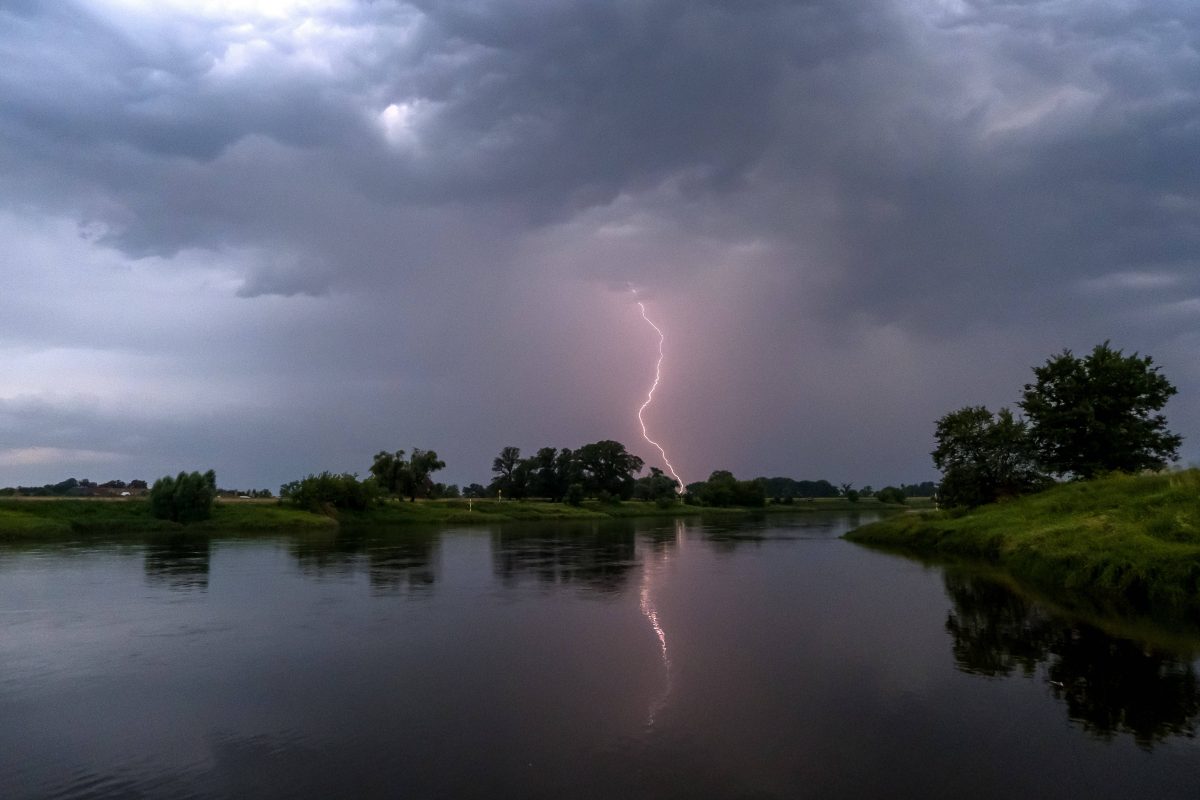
(222,9)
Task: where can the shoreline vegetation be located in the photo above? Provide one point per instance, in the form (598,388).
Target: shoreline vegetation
(51,518)
(1126,543)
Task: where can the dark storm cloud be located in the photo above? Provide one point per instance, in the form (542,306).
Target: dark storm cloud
(552,105)
(837,183)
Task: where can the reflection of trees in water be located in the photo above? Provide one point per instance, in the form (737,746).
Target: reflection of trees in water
(1110,685)
(730,534)
(592,555)
(995,631)
(404,565)
(178,562)
(661,537)
(395,563)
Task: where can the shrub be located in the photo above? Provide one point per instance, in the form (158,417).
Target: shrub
(575,494)
(890,494)
(328,492)
(722,489)
(185,498)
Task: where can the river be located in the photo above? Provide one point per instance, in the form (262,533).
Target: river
(638,659)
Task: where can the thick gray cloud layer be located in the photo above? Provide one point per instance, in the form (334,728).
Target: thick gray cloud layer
(273,238)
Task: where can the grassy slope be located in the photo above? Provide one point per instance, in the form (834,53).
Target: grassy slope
(1133,539)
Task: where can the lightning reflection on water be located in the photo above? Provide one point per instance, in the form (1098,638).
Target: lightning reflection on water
(652,569)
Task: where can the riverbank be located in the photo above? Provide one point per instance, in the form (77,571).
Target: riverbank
(49,518)
(1126,541)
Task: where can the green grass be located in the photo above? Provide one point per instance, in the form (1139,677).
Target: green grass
(51,518)
(17,525)
(261,517)
(1130,540)
(42,518)
(38,518)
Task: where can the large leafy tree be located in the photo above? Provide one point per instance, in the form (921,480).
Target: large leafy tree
(400,476)
(984,456)
(657,486)
(186,498)
(723,489)
(390,471)
(567,471)
(509,475)
(1099,413)
(543,479)
(608,467)
(328,493)
(421,465)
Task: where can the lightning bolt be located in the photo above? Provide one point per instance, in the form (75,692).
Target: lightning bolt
(650,394)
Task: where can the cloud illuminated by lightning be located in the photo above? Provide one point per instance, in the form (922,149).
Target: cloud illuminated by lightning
(650,394)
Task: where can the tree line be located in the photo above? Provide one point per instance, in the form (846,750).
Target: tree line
(1083,417)
(75,487)
(605,470)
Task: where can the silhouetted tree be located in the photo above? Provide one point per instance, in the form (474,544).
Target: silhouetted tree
(984,456)
(505,468)
(410,477)
(567,470)
(328,492)
(1099,413)
(543,478)
(656,486)
(390,471)
(185,498)
(722,489)
(608,467)
(422,464)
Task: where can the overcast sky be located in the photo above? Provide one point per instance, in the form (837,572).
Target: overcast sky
(273,238)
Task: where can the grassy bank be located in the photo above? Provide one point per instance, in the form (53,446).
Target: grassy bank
(55,518)
(1131,541)
(41,518)
(462,512)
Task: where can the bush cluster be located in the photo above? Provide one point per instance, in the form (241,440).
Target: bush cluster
(890,494)
(329,492)
(722,489)
(185,498)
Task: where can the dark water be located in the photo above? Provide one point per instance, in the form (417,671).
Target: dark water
(649,659)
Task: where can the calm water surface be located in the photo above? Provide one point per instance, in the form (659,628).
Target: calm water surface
(638,659)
